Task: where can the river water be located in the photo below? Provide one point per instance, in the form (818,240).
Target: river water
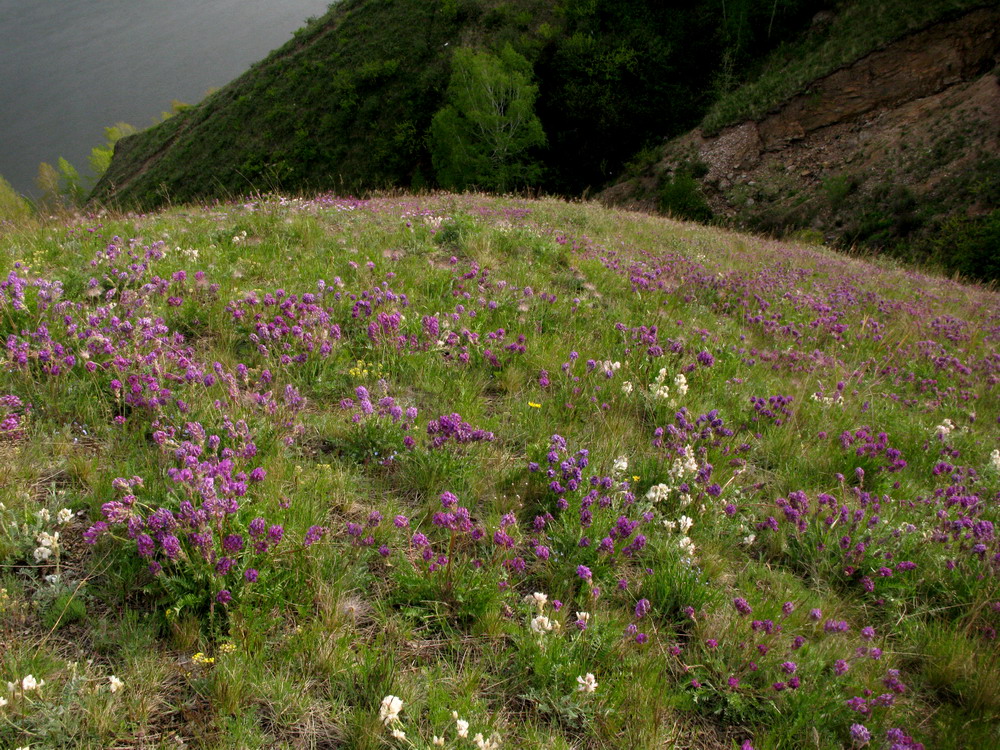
(69,68)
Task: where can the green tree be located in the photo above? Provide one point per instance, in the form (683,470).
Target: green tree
(100,156)
(484,135)
(60,188)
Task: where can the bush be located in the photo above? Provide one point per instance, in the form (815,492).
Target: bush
(681,197)
(969,246)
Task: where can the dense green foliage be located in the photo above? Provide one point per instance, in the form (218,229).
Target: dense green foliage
(627,73)
(348,103)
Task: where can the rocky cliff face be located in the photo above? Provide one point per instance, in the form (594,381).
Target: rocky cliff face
(877,151)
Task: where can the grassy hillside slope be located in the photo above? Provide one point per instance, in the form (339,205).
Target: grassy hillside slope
(332,472)
(352,94)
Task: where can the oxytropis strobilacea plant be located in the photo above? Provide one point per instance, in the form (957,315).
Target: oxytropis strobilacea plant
(204,539)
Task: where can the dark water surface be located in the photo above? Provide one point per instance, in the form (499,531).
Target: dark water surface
(69,68)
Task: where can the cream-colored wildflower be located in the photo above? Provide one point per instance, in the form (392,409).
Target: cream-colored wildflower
(587,683)
(541,624)
(684,523)
(462,728)
(64,516)
(29,683)
(658,492)
(540,599)
(115,684)
(399,734)
(389,710)
(681,384)
(483,744)
(438,741)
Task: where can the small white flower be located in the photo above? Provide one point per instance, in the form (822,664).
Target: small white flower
(670,526)
(945,428)
(686,545)
(53,579)
(43,515)
(995,460)
(42,554)
(627,387)
(587,683)
(389,710)
(438,741)
(541,624)
(399,734)
(64,516)
(3,702)
(29,683)
(540,599)
(463,728)
(658,492)
(114,684)
(681,384)
(684,523)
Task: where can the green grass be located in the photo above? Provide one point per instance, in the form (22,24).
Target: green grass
(304,655)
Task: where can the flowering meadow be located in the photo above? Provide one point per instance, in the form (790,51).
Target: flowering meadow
(466,472)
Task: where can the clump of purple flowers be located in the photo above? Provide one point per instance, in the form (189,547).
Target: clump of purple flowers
(452,428)
(210,537)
